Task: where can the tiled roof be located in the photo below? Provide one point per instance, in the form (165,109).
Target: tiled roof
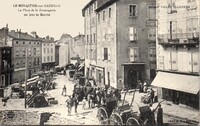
(21,35)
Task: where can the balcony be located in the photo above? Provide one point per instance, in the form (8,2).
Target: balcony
(181,39)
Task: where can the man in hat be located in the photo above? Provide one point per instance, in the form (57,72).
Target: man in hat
(160,115)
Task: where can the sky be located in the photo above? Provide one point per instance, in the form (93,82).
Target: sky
(65,19)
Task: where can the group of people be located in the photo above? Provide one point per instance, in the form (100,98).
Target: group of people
(152,97)
(91,96)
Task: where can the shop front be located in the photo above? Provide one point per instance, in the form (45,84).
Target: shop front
(178,88)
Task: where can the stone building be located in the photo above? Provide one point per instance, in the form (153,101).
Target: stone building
(26,49)
(78,46)
(125,40)
(64,50)
(57,56)
(178,51)
(48,53)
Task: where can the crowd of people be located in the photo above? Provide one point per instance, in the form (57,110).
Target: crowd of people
(92,96)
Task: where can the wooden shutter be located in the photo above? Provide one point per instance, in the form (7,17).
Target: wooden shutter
(109,53)
(195,63)
(131,55)
(135,33)
(174,60)
(102,51)
(131,33)
(190,62)
(136,58)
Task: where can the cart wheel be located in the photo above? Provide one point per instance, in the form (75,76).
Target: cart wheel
(115,119)
(132,122)
(102,116)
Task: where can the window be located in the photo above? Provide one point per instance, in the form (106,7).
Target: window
(29,42)
(103,15)
(171,7)
(192,24)
(29,52)
(16,42)
(133,33)
(51,50)
(98,18)
(172,57)
(94,38)
(152,55)
(47,50)
(34,42)
(105,53)
(172,29)
(23,52)
(132,10)
(133,54)
(152,34)
(38,43)
(109,13)
(51,58)
(90,38)
(23,42)
(193,62)
(151,12)
(17,52)
(34,51)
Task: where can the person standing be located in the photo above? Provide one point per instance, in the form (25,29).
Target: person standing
(76,102)
(64,90)
(160,115)
(84,103)
(69,105)
(152,94)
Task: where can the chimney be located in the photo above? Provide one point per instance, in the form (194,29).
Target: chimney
(18,33)
(47,37)
(52,38)
(34,34)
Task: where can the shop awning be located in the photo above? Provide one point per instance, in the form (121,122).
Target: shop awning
(179,82)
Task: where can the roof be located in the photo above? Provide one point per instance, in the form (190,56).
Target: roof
(86,6)
(179,82)
(104,4)
(22,36)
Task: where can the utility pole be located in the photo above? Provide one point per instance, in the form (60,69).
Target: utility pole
(25,78)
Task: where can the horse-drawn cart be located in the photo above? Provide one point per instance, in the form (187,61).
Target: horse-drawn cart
(120,113)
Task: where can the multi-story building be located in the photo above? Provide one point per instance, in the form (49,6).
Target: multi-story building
(64,50)
(126,41)
(178,51)
(90,31)
(26,49)
(6,66)
(78,46)
(48,53)
(57,56)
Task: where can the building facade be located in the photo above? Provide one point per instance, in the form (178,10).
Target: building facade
(64,51)
(26,50)
(6,66)
(57,56)
(48,53)
(78,46)
(126,41)
(90,32)
(178,51)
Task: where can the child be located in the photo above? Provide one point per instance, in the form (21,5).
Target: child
(84,103)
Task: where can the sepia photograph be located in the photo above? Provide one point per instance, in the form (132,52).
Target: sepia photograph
(100,62)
